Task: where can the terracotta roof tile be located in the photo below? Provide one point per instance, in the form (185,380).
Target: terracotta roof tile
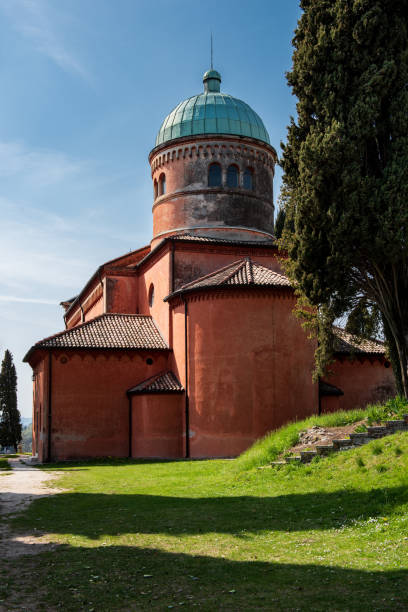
(164,382)
(346,343)
(202,238)
(108,331)
(244,273)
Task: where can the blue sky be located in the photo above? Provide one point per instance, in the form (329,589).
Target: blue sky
(85,86)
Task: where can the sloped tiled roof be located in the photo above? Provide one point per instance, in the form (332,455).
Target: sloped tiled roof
(164,382)
(203,238)
(346,343)
(108,331)
(242,273)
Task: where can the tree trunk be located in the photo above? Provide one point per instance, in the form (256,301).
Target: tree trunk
(397,338)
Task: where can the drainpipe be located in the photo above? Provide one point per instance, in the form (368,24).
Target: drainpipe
(187,413)
(49,405)
(130,425)
(172,267)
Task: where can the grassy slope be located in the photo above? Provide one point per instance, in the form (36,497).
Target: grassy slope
(143,535)
(269,448)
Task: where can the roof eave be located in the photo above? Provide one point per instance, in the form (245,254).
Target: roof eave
(358,353)
(227,287)
(35,348)
(98,273)
(153,392)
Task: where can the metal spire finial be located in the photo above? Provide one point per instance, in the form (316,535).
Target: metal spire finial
(211,51)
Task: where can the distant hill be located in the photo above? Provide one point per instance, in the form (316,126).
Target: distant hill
(26,421)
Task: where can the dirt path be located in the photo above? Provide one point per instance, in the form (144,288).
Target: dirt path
(18,489)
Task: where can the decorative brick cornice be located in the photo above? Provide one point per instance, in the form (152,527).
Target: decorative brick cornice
(214,148)
(185,146)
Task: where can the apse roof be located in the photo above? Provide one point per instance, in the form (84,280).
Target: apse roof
(212,112)
(108,331)
(164,382)
(346,343)
(218,240)
(242,273)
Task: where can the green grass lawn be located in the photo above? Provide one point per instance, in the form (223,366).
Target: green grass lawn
(4,465)
(203,534)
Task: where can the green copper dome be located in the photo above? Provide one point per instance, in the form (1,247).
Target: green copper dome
(212,112)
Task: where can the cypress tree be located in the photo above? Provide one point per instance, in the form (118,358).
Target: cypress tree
(346,166)
(280,223)
(10,423)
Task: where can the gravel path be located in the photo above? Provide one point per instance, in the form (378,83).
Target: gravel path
(18,489)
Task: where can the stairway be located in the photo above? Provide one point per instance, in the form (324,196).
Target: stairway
(355,440)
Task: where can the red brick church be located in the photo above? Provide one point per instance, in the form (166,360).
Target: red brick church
(188,347)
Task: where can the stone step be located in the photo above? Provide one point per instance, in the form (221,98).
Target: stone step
(377,431)
(324,449)
(307,455)
(396,425)
(359,438)
(355,439)
(341,443)
(292,459)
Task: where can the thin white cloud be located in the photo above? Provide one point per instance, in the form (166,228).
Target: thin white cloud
(13,298)
(34,20)
(58,224)
(39,167)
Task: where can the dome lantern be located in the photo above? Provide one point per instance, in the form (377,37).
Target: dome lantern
(212,81)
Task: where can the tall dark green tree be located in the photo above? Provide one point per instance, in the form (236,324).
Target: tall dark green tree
(10,421)
(280,223)
(346,166)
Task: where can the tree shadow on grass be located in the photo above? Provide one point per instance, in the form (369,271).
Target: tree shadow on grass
(76,465)
(93,514)
(131,578)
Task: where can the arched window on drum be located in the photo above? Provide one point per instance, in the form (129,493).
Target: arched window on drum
(214,175)
(155,189)
(162,184)
(248,179)
(232,176)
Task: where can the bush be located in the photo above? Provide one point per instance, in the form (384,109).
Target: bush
(394,408)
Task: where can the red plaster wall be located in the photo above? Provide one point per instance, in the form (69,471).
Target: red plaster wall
(330,403)
(363,382)
(249,370)
(90,415)
(177,358)
(95,310)
(157,273)
(157,423)
(121,294)
(40,408)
